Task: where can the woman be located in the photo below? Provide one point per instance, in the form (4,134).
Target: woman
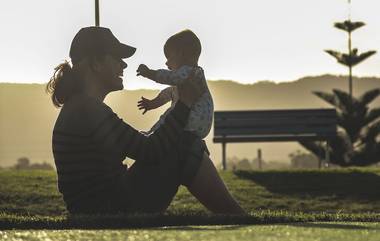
(90,141)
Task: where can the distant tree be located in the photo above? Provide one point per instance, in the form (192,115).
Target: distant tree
(22,163)
(299,159)
(358,140)
(41,166)
(235,163)
(353,57)
(243,164)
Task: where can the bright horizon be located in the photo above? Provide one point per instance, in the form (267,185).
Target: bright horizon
(243,41)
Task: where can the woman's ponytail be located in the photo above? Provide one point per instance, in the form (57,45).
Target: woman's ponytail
(63,84)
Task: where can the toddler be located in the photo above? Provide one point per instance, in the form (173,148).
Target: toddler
(182,52)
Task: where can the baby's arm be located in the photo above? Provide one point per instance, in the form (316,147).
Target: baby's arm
(174,77)
(168,77)
(161,99)
(165,95)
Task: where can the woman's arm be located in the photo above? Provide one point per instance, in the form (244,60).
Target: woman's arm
(119,139)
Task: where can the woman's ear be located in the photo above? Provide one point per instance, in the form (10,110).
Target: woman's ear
(96,64)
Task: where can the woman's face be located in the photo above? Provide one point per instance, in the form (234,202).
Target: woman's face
(110,71)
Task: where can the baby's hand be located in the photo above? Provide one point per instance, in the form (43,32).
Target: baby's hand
(145,104)
(142,70)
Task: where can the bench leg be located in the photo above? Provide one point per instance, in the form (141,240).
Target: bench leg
(327,154)
(224,163)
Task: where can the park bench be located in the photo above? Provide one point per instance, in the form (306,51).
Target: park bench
(274,125)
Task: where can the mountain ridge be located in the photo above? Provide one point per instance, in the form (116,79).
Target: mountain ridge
(27,115)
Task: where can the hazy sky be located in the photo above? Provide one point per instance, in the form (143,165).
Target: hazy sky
(243,40)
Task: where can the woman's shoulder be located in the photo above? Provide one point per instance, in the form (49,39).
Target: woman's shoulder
(87,105)
(82,112)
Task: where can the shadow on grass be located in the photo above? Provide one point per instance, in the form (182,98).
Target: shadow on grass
(343,185)
(177,222)
(203,228)
(332,226)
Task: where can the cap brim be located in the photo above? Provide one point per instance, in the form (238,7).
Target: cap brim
(126,51)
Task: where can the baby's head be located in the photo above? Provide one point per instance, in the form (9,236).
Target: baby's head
(182,48)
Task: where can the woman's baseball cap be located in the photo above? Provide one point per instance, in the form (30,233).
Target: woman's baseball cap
(90,41)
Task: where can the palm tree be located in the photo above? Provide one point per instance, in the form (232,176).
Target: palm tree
(353,57)
(358,140)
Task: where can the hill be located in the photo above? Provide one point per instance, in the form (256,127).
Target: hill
(27,115)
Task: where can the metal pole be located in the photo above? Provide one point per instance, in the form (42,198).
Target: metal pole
(350,66)
(327,155)
(224,156)
(97,13)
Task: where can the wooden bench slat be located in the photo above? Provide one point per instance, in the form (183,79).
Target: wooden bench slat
(233,123)
(268,138)
(276,113)
(268,130)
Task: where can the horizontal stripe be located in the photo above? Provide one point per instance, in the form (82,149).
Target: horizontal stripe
(109,117)
(87,176)
(78,193)
(60,133)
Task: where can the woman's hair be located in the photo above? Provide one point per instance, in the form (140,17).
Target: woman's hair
(187,42)
(68,79)
(63,84)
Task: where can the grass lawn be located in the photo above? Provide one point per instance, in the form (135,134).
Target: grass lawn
(29,200)
(296,231)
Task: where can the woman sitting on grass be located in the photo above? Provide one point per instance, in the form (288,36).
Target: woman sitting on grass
(90,141)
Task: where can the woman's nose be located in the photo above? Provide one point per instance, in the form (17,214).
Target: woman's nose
(124,64)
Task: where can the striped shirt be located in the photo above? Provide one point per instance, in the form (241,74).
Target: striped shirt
(90,142)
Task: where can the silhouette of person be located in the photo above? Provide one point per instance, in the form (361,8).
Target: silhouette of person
(90,141)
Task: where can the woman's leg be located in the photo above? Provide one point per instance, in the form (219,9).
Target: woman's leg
(209,189)
(153,187)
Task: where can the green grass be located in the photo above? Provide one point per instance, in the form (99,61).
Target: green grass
(297,231)
(29,199)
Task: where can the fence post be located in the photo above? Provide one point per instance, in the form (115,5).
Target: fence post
(259,159)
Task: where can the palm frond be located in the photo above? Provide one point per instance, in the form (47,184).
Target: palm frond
(337,55)
(329,98)
(350,59)
(346,102)
(369,96)
(367,154)
(370,133)
(317,148)
(334,53)
(356,58)
(342,150)
(341,58)
(348,26)
(372,115)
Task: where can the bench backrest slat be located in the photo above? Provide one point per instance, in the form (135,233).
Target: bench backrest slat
(275,122)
